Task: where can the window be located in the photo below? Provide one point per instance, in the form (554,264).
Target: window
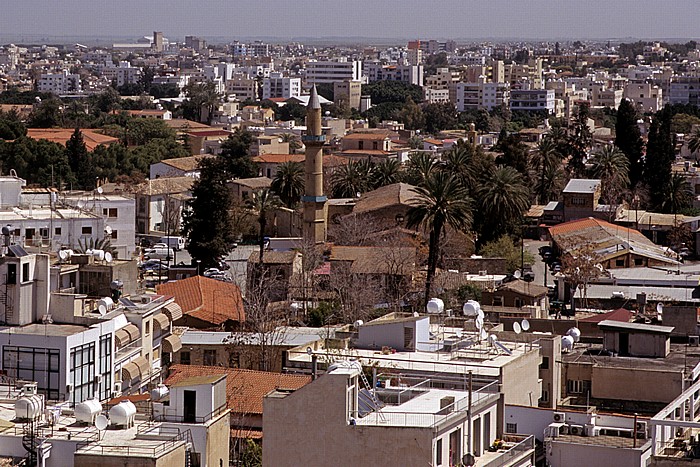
(87,230)
(82,372)
(638,261)
(147,329)
(29,234)
(620,263)
(31,364)
(104,389)
(11,274)
(109,212)
(545,396)
(545,363)
(578,386)
(456,447)
(44,233)
(25,272)
(114,235)
(361,145)
(511,427)
(184,357)
(209,357)
(408,338)
(438,452)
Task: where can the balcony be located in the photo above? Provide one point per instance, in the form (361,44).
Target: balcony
(513,450)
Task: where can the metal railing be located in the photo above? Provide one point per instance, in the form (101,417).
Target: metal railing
(167,417)
(135,449)
(128,349)
(524,443)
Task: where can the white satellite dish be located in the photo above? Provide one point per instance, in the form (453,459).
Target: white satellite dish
(101,422)
(435,306)
(479,322)
(659,308)
(480,314)
(108,257)
(525,324)
(100,190)
(517,274)
(309,350)
(516,328)
(63,255)
(567,343)
(102,309)
(483,335)
(493,339)
(108,230)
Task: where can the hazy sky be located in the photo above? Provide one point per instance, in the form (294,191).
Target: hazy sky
(364,18)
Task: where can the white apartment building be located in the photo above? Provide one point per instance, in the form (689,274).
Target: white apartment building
(280,86)
(480,95)
(684,90)
(243,87)
(603,96)
(59,83)
(330,71)
(647,96)
(123,74)
(377,71)
(530,100)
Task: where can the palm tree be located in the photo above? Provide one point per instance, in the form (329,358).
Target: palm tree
(679,194)
(550,183)
(350,179)
(419,167)
(263,202)
(458,161)
(442,202)
(293,141)
(694,143)
(288,183)
(545,161)
(611,166)
(503,199)
(386,172)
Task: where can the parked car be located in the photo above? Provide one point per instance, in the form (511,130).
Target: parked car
(214,273)
(176,243)
(163,253)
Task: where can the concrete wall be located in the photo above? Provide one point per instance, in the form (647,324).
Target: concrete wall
(391,334)
(564,454)
(550,348)
(176,457)
(641,344)
(635,384)
(684,319)
(520,379)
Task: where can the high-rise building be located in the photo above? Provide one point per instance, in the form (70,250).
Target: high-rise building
(157,41)
(314,200)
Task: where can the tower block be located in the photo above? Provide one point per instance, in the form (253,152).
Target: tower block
(314,200)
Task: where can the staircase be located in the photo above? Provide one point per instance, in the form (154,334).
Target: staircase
(7,303)
(30,443)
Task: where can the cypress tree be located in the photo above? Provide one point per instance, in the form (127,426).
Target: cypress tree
(659,158)
(629,140)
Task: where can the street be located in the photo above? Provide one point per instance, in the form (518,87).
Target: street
(538,267)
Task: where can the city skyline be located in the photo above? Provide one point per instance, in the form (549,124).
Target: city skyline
(476,19)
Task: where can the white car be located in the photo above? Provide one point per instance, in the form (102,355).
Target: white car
(214,273)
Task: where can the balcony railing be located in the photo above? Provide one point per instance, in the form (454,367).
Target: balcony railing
(169,416)
(523,444)
(128,450)
(128,349)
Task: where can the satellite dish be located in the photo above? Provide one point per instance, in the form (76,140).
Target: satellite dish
(468,459)
(108,257)
(516,328)
(517,274)
(102,309)
(483,335)
(101,422)
(479,322)
(480,314)
(459,333)
(493,339)
(600,267)
(525,324)
(309,351)
(100,190)
(659,308)
(435,306)
(416,314)
(108,230)
(63,255)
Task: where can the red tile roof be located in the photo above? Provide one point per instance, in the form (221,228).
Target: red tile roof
(367,136)
(206,299)
(61,136)
(245,389)
(278,158)
(620,314)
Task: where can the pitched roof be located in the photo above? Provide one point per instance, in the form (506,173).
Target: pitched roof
(527,289)
(367,136)
(582,185)
(245,389)
(278,158)
(254,183)
(161,186)
(186,164)
(206,299)
(183,124)
(376,259)
(274,257)
(62,135)
(208,132)
(390,195)
(621,314)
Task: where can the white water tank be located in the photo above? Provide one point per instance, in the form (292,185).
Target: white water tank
(123,414)
(471,308)
(87,410)
(159,392)
(29,407)
(567,343)
(435,306)
(575,334)
(98,255)
(104,305)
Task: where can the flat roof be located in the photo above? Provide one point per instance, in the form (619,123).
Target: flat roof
(581,185)
(681,358)
(53,330)
(199,380)
(639,327)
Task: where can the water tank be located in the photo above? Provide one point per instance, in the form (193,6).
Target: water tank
(87,410)
(471,308)
(104,305)
(159,392)
(358,323)
(435,306)
(98,254)
(123,414)
(29,407)
(567,343)
(575,334)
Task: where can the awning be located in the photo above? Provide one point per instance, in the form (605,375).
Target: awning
(173,311)
(130,371)
(161,321)
(144,366)
(121,338)
(133,331)
(171,344)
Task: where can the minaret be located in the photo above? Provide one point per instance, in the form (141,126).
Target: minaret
(314,200)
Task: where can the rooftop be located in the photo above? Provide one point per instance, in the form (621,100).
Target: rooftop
(681,358)
(286,336)
(582,185)
(386,196)
(162,186)
(186,164)
(206,299)
(602,440)
(61,136)
(53,330)
(638,327)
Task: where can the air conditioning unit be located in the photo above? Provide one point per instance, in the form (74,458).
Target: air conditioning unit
(118,387)
(559,417)
(576,430)
(69,388)
(694,341)
(145,300)
(591,430)
(564,430)
(641,429)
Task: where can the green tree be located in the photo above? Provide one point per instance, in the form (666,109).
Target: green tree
(420,167)
(392,91)
(80,161)
(514,154)
(262,202)
(442,202)
(411,115)
(439,116)
(694,143)
(503,198)
(580,140)
(352,178)
(289,183)
(201,97)
(387,172)
(505,247)
(610,165)
(545,163)
(235,155)
(48,114)
(659,158)
(207,221)
(628,138)
(11,126)
(679,194)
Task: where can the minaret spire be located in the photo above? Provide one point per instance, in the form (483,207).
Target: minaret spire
(314,200)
